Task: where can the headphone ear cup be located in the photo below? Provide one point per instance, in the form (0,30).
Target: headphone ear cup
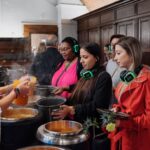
(122,75)
(86,74)
(76,48)
(127,76)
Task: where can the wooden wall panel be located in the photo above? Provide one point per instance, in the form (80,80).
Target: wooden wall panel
(143,7)
(127,11)
(131,18)
(14,50)
(94,35)
(106,33)
(83,24)
(83,37)
(146,57)
(107,17)
(126,28)
(144,32)
(28,29)
(94,21)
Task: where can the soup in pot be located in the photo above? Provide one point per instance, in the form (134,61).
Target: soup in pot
(41,148)
(63,126)
(18,113)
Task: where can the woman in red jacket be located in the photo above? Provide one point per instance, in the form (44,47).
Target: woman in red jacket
(133,95)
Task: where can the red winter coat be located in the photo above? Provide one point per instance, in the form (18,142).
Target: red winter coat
(134,99)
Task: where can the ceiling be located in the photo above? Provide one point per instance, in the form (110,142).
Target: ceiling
(90,4)
(95,4)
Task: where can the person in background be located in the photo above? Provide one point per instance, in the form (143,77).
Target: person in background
(41,47)
(45,63)
(68,71)
(8,93)
(108,53)
(133,95)
(112,67)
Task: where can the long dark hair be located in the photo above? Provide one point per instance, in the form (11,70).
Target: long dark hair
(85,88)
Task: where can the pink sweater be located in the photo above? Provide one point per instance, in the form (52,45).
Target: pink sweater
(68,77)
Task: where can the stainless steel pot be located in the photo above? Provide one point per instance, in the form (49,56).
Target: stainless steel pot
(42,147)
(48,104)
(59,138)
(18,127)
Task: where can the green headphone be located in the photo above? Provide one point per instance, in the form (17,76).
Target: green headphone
(127,76)
(87,74)
(75,46)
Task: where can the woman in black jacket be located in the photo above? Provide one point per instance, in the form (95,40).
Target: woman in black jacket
(92,91)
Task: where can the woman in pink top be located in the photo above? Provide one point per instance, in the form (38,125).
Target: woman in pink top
(68,71)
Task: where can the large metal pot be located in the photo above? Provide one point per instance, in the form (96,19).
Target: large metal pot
(48,104)
(42,147)
(63,133)
(18,127)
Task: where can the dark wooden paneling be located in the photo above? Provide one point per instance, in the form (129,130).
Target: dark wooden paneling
(107,17)
(94,35)
(83,24)
(146,58)
(124,12)
(106,33)
(11,63)
(14,50)
(94,21)
(144,7)
(126,28)
(144,32)
(131,18)
(83,37)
